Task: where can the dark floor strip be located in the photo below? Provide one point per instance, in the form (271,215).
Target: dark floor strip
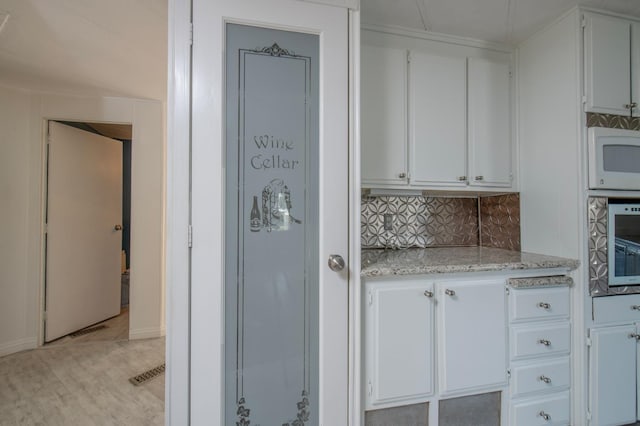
(147,375)
(87,330)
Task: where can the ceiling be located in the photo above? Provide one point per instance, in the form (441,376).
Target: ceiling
(119,47)
(101,47)
(500,21)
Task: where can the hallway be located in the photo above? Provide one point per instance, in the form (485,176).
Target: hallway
(83,384)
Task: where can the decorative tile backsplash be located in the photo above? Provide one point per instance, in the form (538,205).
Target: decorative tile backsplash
(500,221)
(423,221)
(419,222)
(613,121)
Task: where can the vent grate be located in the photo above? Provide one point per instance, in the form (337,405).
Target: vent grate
(147,375)
(87,330)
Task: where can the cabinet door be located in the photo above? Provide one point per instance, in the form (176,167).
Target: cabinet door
(612,373)
(384,115)
(490,156)
(607,64)
(399,342)
(438,119)
(472,331)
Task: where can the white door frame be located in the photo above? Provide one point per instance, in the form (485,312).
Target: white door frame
(147,190)
(179,344)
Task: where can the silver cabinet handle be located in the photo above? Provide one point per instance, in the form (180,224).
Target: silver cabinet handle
(634,336)
(118,228)
(402,175)
(450,292)
(336,262)
(635,307)
(544,342)
(544,305)
(545,416)
(462,178)
(631,105)
(545,379)
(428,293)
(480,177)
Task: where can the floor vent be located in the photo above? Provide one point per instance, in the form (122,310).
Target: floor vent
(141,379)
(87,330)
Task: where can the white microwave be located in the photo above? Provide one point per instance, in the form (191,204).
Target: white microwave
(614,159)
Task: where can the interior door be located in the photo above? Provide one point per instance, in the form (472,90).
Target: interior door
(84,238)
(269,317)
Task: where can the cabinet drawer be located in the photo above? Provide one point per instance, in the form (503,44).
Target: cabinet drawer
(552,375)
(532,411)
(539,303)
(611,309)
(527,341)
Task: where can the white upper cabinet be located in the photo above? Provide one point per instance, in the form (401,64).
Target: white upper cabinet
(438,105)
(435,115)
(611,47)
(384,115)
(489,123)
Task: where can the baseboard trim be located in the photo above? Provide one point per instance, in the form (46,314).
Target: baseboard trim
(146,333)
(18,346)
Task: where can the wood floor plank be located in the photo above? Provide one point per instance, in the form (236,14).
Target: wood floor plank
(82,384)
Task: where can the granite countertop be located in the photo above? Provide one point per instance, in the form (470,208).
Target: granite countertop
(439,260)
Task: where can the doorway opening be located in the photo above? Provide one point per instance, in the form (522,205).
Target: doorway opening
(74,210)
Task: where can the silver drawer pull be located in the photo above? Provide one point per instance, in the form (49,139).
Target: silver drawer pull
(545,379)
(635,307)
(544,415)
(428,293)
(544,305)
(634,336)
(544,342)
(449,292)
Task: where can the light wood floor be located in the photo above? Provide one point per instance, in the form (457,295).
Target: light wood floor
(83,383)
(117,328)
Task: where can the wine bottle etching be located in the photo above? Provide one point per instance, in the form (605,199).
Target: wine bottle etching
(274,211)
(254,217)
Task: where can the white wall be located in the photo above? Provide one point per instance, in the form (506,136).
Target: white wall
(16,325)
(22,122)
(549,137)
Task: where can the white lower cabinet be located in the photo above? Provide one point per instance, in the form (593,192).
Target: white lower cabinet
(428,339)
(614,360)
(613,375)
(400,319)
(399,342)
(472,334)
(540,346)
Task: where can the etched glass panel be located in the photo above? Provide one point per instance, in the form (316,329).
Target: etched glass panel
(271,240)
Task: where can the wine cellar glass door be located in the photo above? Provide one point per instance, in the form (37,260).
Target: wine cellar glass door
(273,264)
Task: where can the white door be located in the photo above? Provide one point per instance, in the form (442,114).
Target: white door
(399,342)
(84,238)
(384,115)
(489,126)
(269,318)
(607,64)
(438,97)
(612,375)
(472,320)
